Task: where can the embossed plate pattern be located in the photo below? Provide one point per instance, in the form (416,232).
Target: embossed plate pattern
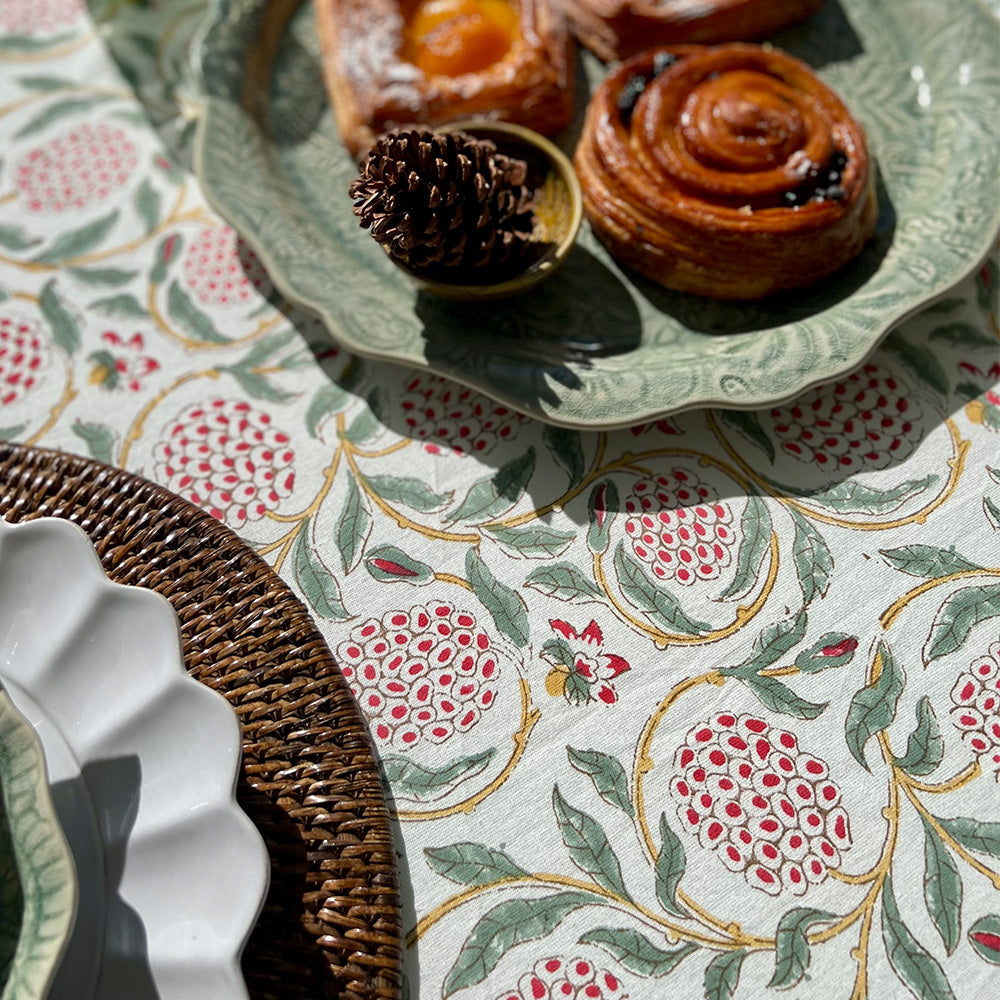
(596,347)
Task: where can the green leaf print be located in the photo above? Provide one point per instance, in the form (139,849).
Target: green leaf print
(64,325)
(186,314)
(671,863)
(781,698)
(410,780)
(99,439)
(812,558)
(506,606)
(773,643)
(874,706)
(509,924)
(77,242)
(57,111)
(534,541)
(353,527)
(102,276)
(607,774)
(495,494)
(852,497)
(147,205)
(316,582)
(925,746)
(942,888)
(15,238)
(588,846)
(927,561)
(791,946)
(567,449)
(473,864)
(747,423)
(962,335)
(958,616)
(834,649)
(973,834)
(919,360)
(916,968)
(412,493)
(656,603)
(992,512)
(755,528)
(722,975)
(636,953)
(328,399)
(564,582)
(124,306)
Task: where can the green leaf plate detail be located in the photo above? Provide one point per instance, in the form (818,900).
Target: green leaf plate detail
(596,346)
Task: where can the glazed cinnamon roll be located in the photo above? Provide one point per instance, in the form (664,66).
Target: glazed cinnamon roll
(732,172)
(617,29)
(394,63)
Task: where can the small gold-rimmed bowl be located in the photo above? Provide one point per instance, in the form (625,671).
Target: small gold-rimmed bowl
(558,211)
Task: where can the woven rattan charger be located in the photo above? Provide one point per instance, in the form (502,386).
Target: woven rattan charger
(330,926)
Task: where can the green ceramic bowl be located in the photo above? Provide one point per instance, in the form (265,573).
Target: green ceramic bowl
(38,888)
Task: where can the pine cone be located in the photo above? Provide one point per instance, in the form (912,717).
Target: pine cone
(446,204)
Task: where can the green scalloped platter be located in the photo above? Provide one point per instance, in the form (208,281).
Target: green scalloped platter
(596,346)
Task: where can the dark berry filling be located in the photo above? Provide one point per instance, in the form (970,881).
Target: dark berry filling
(824,186)
(637,83)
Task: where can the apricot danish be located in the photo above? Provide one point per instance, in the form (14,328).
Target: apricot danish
(390,64)
(617,29)
(730,171)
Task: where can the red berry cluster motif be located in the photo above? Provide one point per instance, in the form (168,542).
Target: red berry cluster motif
(865,421)
(38,17)
(76,169)
(23,358)
(452,419)
(767,808)
(976,715)
(426,673)
(222,270)
(678,526)
(566,979)
(225,456)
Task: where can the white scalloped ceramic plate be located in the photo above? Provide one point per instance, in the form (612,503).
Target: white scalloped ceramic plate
(142,766)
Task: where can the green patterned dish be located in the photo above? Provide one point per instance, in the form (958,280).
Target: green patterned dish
(595,346)
(37,876)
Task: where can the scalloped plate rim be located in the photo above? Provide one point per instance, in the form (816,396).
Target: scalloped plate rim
(284,283)
(252,856)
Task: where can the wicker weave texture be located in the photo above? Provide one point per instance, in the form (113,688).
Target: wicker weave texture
(330,926)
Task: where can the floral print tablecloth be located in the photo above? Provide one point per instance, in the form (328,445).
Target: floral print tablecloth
(708,707)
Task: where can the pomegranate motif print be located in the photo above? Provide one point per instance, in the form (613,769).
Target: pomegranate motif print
(39,17)
(81,167)
(226,456)
(454,420)
(222,271)
(423,673)
(865,421)
(566,979)
(122,363)
(582,670)
(976,715)
(679,528)
(766,807)
(24,356)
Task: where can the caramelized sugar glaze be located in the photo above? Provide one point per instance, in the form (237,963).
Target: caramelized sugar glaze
(616,29)
(395,63)
(730,171)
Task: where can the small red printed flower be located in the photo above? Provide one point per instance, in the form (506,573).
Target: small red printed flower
(865,421)
(678,526)
(423,673)
(24,357)
(451,419)
(222,271)
(559,978)
(39,17)
(80,167)
(766,807)
(122,364)
(985,409)
(581,670)
(226,456)
(666,425)
(976,715)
